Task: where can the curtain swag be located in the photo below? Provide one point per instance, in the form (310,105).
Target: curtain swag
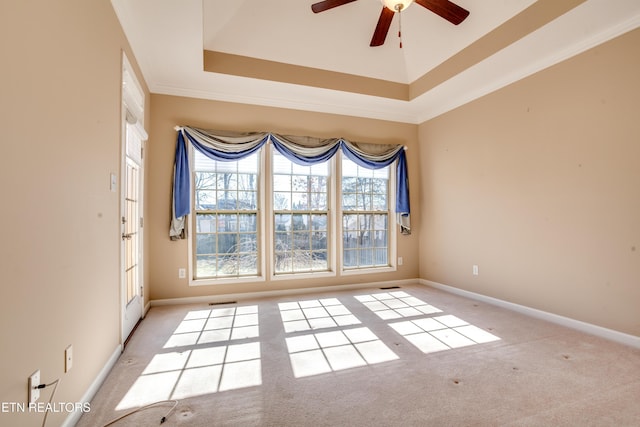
(306,151)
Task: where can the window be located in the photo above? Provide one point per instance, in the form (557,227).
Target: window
(226,217)
(330,218)
(365,216)
(300,208)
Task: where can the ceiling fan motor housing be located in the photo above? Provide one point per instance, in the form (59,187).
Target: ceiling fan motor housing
(396,5)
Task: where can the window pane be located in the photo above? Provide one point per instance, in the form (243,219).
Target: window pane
(350,258)
(206,265)
(320,261)
(227,265)
(318,201)
(282,182)
(205,244)
(205,199)
(283,242)
(248,243)
(281,201)
(318,222)
(283,262)
(301,241)
(319,241)
(381,256)
(228,222)
(299,202)
(247,222)
(282,222)
(300,222)
(205,223)
(226,200)
(302,261)
(350,222)
(299,183)
(227,243)
(350,240)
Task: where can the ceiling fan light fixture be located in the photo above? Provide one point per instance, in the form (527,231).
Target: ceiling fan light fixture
(396,5)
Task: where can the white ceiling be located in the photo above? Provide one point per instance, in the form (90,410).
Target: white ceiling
(168,38)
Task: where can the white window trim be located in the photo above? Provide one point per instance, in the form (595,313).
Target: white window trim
(266,238)
(331,229)
(392,227)
(262,255)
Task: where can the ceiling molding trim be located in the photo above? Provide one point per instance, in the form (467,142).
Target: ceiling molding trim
(386,113)
(244,66)
(574,49)
(521,25)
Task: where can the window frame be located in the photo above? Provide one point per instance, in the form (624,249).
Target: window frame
(331,227)
(266,228)
(260,225)
(392,229)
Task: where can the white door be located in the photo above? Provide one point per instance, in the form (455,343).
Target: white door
(132,309)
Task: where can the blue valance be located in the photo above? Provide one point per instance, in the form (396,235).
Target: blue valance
(230,146)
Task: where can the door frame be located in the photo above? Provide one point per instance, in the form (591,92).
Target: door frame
(132,114)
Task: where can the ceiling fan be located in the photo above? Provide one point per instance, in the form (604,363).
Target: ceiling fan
(444,8)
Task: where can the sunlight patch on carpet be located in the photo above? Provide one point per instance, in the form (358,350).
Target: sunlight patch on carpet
(325,352)
(396,305)
(216,364)
(309,315)
(216,325)
(440,333)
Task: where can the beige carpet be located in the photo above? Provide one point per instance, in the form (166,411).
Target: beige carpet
(412,356)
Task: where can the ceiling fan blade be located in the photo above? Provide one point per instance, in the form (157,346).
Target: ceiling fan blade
(384,22)
(444,8)
(328,4)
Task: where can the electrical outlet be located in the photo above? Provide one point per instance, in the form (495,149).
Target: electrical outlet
(400,260)
(182,273)
(68,358)
(475,270)
(33,382)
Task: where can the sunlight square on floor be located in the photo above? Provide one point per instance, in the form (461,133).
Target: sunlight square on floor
(309,315)
(179,375)
(324,352)
(396,305)
(441,333)
(216,325)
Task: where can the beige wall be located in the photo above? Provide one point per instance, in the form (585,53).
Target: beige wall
(168,256)
(60,115)
(539,185)
(536,183)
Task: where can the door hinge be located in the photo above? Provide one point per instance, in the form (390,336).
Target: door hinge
(141,222)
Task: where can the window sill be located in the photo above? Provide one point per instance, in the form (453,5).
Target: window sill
(226,281)
(368,270)
(304,275)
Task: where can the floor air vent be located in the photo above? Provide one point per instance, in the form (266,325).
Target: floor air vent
(223,302)
(390,287)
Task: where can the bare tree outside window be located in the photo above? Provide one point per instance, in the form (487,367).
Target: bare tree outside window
(226,223)
(365,216)
(300,203)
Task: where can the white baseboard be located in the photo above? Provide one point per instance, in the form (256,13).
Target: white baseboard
(73,418)
(610,334)
(279,293)
(146,309)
